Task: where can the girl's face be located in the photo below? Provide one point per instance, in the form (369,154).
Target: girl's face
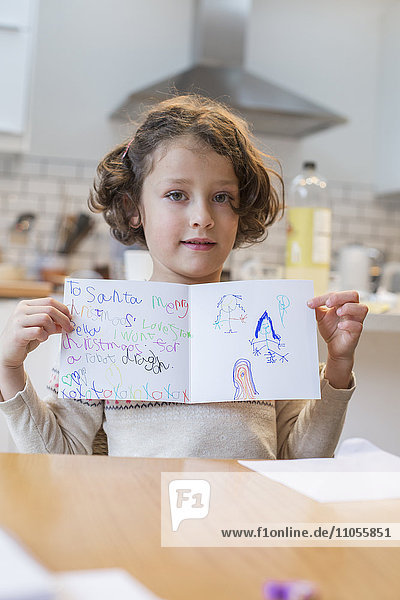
(189,225)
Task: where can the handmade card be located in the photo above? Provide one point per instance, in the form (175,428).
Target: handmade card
(216,342)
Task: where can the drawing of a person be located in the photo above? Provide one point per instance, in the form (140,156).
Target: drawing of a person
(229,306)
(266,335)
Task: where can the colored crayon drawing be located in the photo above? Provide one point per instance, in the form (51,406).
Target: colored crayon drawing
(267,342)
(230,310)
(283,304)
(243,382)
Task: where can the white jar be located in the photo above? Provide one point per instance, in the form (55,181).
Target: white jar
(354,268)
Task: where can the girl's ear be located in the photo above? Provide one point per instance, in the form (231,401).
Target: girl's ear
(135,220)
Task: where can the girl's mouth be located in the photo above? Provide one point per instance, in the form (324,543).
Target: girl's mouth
(202,244)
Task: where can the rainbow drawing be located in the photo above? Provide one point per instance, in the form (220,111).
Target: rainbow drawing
(243,380)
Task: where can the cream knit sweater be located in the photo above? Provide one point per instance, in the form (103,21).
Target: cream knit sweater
(239,430)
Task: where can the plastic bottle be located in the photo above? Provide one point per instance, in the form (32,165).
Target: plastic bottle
(308,241)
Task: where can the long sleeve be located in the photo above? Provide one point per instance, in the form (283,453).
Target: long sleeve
(52,425)
(311,428)
(249,429)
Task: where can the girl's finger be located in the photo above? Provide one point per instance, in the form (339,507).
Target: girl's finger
(41,320)
(354,327)
(56,315)
(29,334)
(359,311)
(320,312)
(350,318)
(49,302)
(334,299)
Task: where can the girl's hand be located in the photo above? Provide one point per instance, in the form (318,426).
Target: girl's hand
(340,319)
(32,322)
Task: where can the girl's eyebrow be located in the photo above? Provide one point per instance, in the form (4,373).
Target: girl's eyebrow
(220,182)
(226,182)
(177,180)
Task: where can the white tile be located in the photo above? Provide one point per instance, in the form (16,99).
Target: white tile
(348,211)
(25,166)
(79,262)
(48,224)
(363,194)
(335,192)
(359,226)
(342,228)
(6,165)
(337,227)
(12,254)
(80,190)
(54,204)
(89,172)
(8,184)
(374,213)
(14,200)
(62,170)
(388,231)
(43,186)
(7,220)
(88,244)
(394,252)
(77,204)
(29,203)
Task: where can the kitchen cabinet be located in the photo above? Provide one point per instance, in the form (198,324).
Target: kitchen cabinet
(16,14)
(388,106)
(374,410)
(17,44)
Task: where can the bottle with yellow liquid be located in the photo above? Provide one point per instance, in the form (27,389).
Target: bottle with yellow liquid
(309,217)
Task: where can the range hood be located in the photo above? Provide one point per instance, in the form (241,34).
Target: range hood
(219,34)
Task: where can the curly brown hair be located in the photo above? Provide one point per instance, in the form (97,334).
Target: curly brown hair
(117,188)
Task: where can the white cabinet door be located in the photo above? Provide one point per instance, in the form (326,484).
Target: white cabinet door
(388,106)
(14,77)
(16,13)
(17,33)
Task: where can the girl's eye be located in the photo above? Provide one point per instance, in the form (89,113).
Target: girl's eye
(176,196)
(221,198)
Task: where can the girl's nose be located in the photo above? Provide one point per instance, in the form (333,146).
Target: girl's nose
(201,215)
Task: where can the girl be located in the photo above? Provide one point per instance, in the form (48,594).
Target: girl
(190,186)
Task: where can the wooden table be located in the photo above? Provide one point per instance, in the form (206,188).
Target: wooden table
(81,512)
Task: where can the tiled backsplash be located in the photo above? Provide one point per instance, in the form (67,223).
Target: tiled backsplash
(50,188)
(357,216)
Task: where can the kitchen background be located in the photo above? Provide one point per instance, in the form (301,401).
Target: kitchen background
(87,57)
(78,61)
(51,187)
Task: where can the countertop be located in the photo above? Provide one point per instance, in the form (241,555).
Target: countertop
(386,323)
(25,289)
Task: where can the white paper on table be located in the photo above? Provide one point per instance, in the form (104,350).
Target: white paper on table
(21,576)
(101,584)
(360,471)
(219,342)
